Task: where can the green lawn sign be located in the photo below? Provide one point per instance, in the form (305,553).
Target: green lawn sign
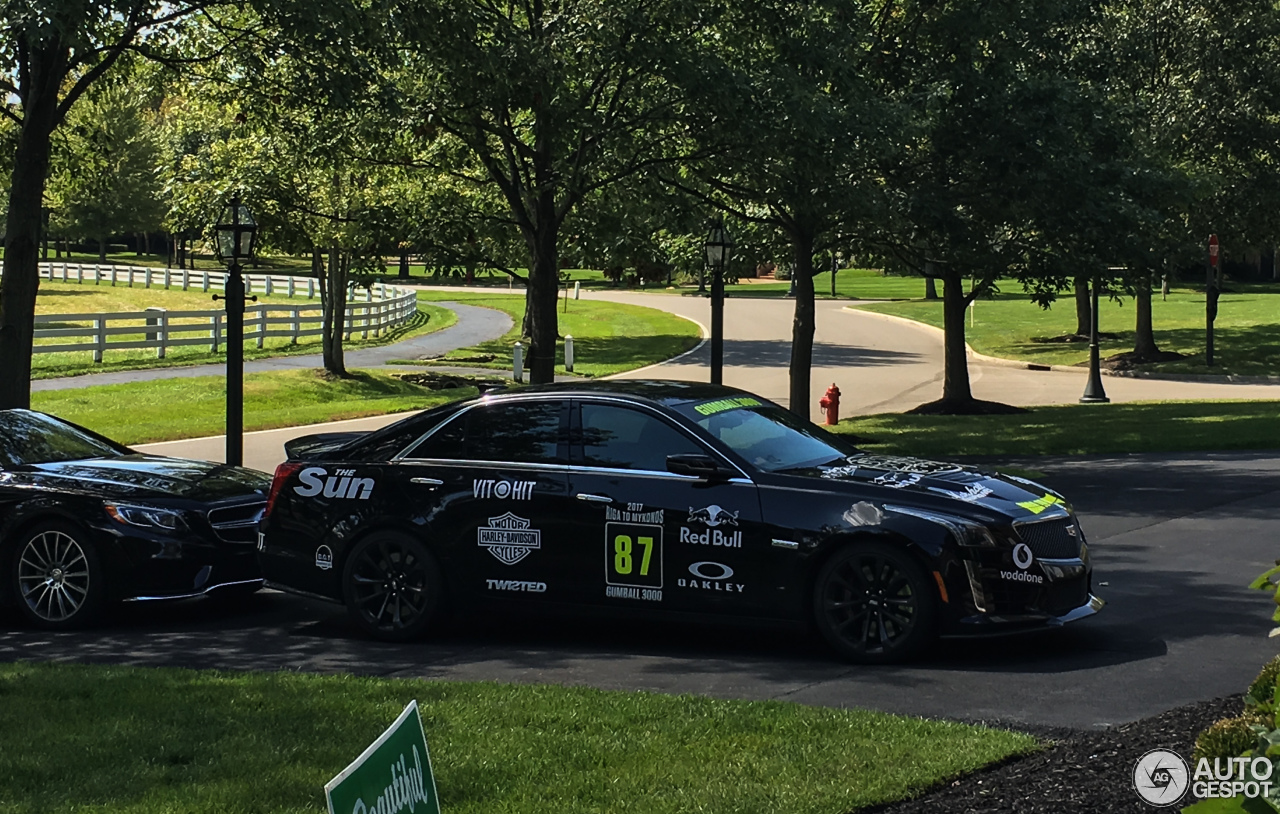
(393,775)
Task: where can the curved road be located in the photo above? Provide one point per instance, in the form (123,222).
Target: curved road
(880,363)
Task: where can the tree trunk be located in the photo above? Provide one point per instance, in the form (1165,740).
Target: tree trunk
(146,243)
(21,279)
(1144,337)
(955,365)
(544,288)
(930,288)
(102,249)
(1084,311)
(333,294)
(802,324)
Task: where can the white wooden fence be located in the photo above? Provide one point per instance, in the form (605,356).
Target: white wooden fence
(383,307)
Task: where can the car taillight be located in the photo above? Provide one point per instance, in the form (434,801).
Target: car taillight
(283,472)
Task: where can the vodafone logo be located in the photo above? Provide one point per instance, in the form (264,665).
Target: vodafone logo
(1022,556)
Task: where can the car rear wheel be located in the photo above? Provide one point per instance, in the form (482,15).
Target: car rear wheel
(57,577)
(873,604)
(392,586)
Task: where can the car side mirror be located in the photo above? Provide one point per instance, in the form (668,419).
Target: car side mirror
(699,466)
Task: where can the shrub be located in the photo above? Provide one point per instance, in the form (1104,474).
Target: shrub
(1262,691)
(1230,737)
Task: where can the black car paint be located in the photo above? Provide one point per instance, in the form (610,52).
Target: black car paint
(140,562)
(790,522)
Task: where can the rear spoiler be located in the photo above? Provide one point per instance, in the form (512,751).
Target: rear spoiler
(314,446)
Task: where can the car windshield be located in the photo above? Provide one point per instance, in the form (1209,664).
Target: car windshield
(766,435)
(33,438)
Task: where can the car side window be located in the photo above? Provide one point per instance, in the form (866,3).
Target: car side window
(517,432)
(622,438)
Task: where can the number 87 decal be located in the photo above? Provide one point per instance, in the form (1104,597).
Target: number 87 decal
(633,555)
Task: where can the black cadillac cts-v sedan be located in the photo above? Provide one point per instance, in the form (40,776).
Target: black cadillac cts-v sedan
(85,521)
(651,497)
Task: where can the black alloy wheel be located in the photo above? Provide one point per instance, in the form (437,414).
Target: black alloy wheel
(392,585)
(57,577)
(873,604)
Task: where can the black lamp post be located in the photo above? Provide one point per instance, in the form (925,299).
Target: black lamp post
(236,235)
(719,248)
(1093,390)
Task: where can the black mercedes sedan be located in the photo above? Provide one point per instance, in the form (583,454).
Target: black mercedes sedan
(85,521)
(667,498)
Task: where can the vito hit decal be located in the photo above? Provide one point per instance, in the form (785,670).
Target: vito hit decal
(341,484)
(633,561)
(509,538)
(502,489)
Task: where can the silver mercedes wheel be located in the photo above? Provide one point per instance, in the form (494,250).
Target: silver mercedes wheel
(57,577)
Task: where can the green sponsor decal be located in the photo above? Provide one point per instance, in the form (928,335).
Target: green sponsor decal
(1037,506)
(720,405)
(391,776)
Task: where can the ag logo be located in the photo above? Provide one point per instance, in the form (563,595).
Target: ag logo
(710,570)
(1022,556)
(1161,777)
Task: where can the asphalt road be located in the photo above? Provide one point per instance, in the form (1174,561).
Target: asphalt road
(1174,539)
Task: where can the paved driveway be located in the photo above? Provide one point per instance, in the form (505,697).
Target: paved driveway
(1175,537)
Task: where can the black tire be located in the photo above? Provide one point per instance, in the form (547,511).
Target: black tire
(391,584)
(57,577)
(874,604)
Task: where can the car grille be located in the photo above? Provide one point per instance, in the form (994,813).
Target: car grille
(239,523)
(1050,539)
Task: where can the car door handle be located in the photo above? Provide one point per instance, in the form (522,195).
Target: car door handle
(427,481)
(596,498)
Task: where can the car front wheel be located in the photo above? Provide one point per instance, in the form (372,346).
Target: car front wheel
(58,578)
(873,604)
(392,586)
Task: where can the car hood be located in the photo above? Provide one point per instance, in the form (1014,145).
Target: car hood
(149,476)
(916,477)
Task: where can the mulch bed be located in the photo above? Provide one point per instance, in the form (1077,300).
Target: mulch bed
(1080,773)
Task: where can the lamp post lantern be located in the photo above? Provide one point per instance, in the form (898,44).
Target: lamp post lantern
(236,235)
(719,248)
(1093,390)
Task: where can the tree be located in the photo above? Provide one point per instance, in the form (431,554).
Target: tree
(804,126)
(106,177)
(51,53)
(998,174)
(554,99)
(1195,83)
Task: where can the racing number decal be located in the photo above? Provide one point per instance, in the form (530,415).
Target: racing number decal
(633,555)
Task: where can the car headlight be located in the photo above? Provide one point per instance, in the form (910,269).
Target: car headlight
(147,517)
(964,530)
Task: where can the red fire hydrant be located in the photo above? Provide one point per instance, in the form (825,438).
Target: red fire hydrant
(830,404)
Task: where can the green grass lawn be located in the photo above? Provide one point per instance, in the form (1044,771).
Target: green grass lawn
(861,284)
(607,337)
(146,740)
(74,298)
(1078,429)
(168,409)
(1247,331)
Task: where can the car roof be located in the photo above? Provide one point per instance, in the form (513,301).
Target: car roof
(668,393)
